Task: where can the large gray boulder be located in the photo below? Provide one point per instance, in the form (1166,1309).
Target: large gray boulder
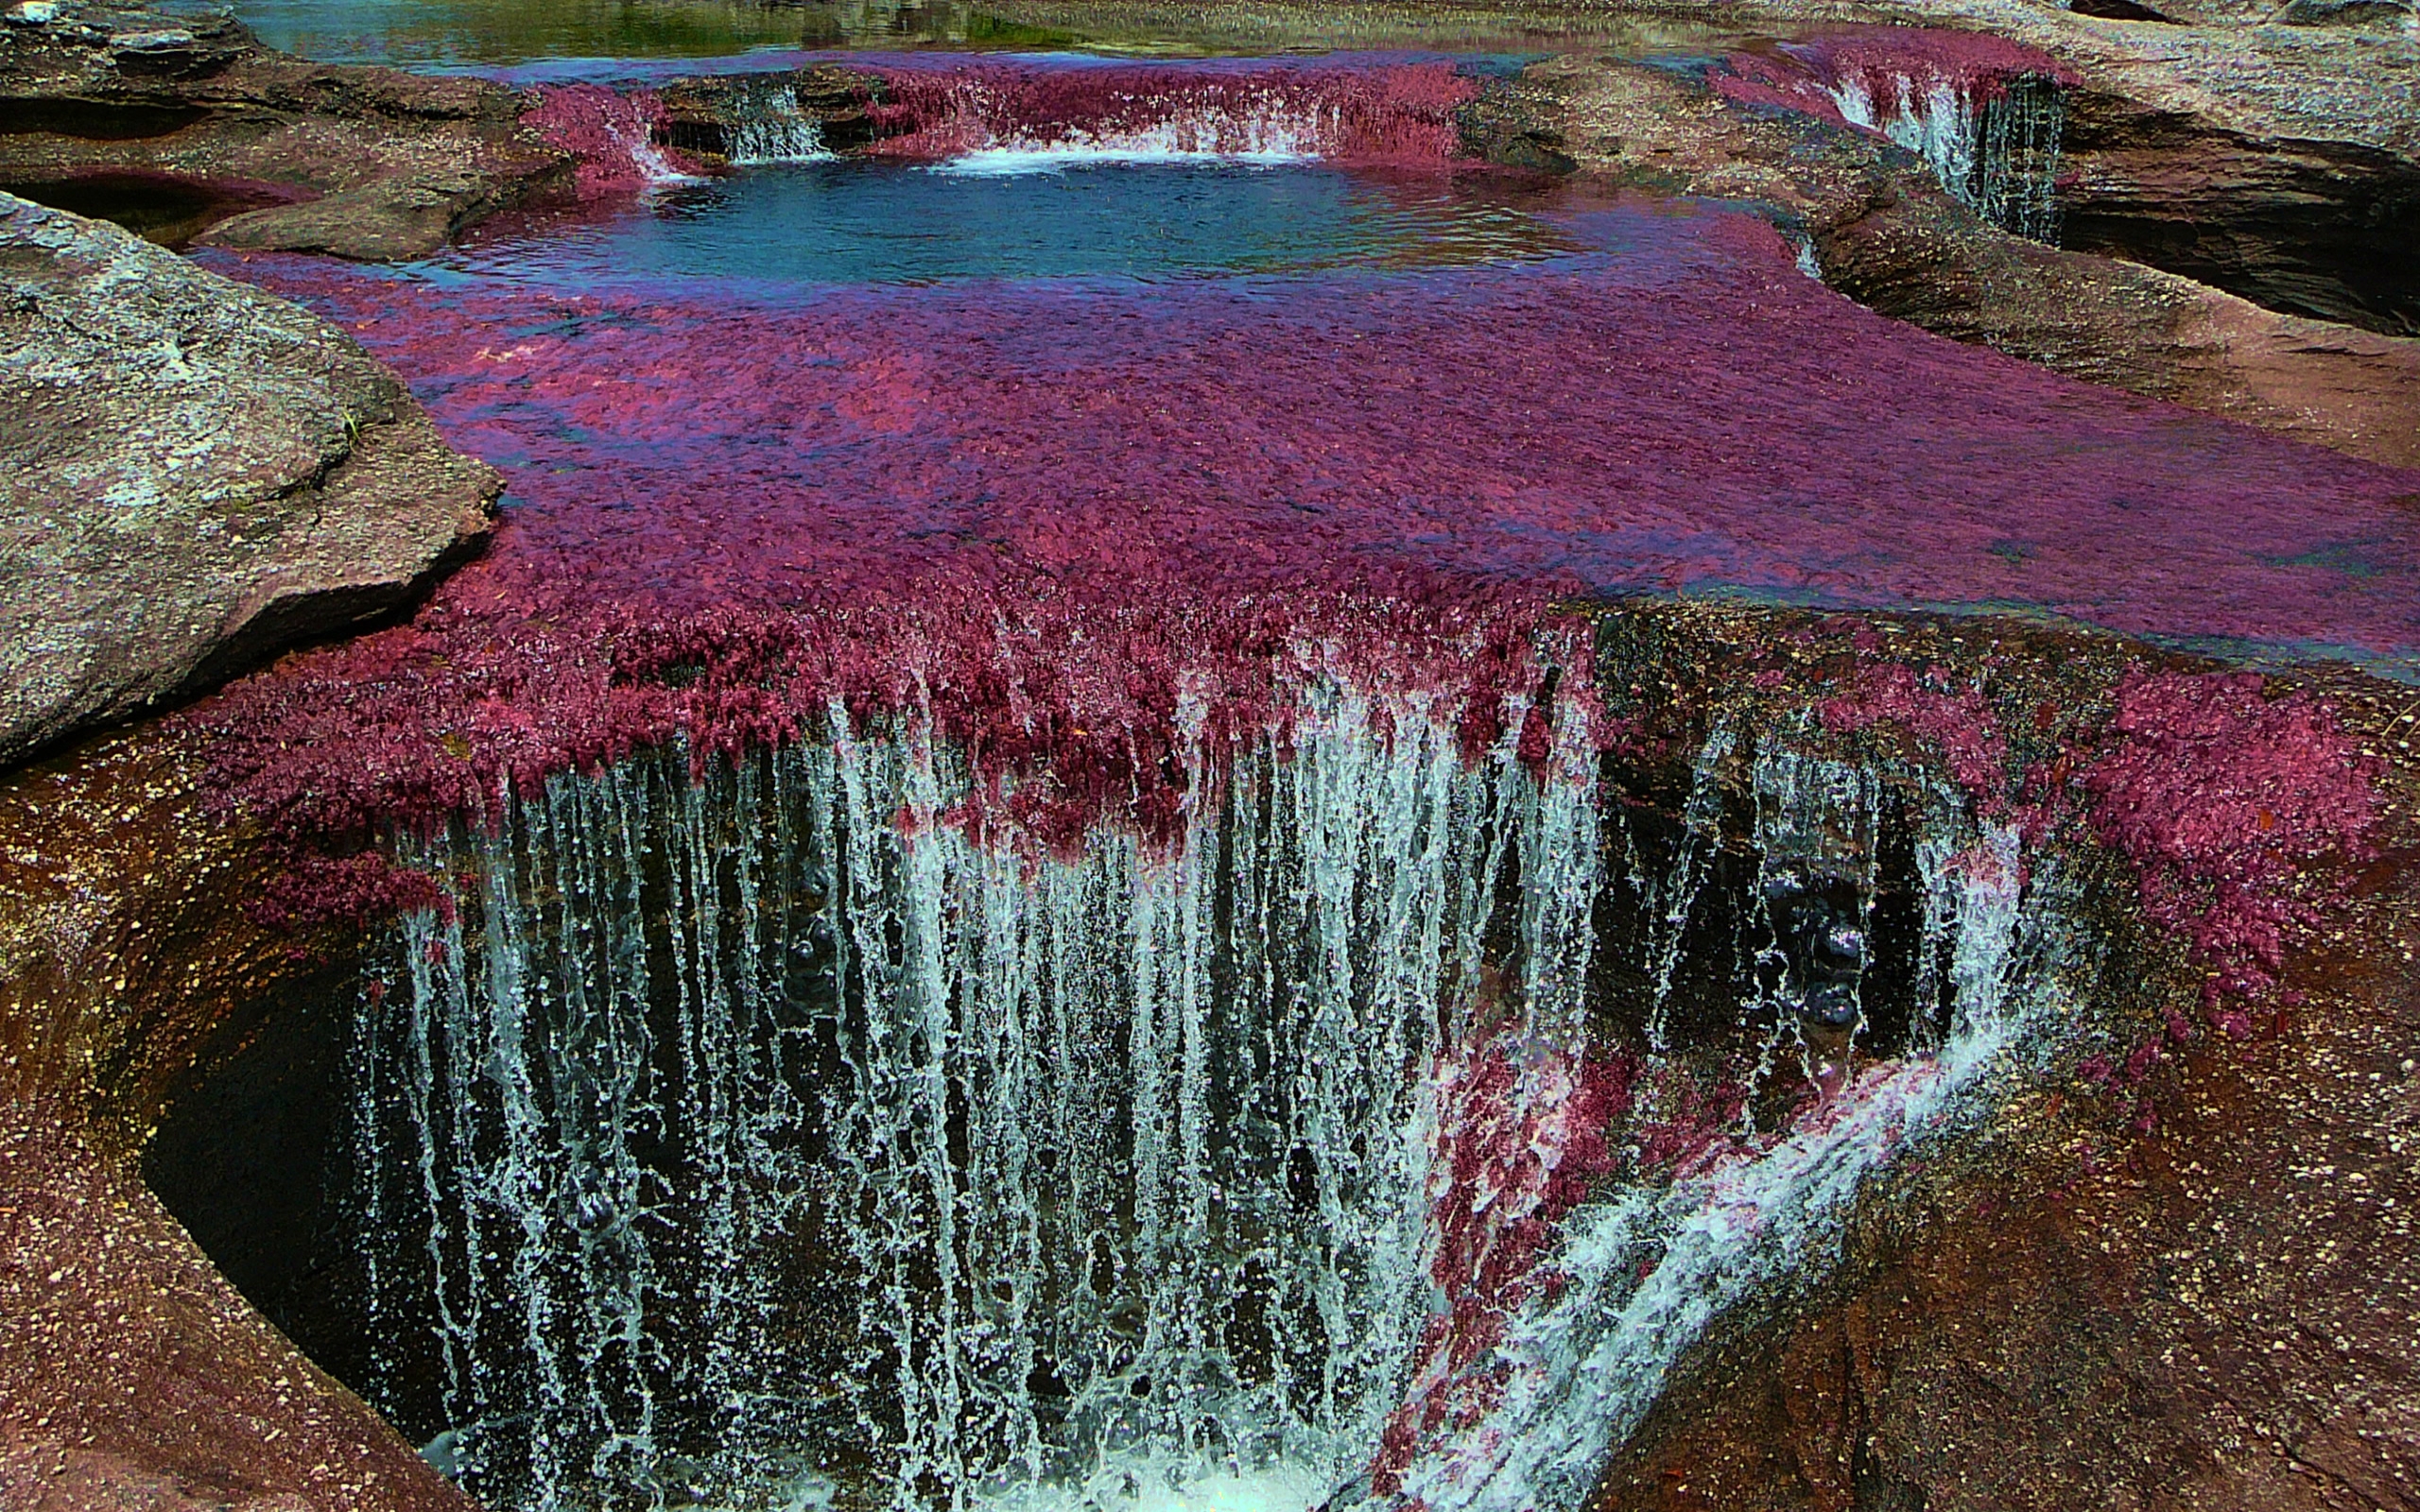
(193,475)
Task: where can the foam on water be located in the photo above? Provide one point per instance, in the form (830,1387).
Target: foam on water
(1006,162)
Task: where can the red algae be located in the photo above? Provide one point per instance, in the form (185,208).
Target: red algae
(611,136)
(1520,1136)
(1961,726)
(2224,799)
(1399,114)
(1088,530)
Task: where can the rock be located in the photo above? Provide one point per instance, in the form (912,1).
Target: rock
(363,162)
(2368,16)
(2119,10)
(702,116)
(193,475)
(133,1375)
(2195,1291)
(2299,225)
(2131,327)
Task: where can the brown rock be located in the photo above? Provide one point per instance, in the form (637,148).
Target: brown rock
(132,1374)
(192,476)
(2329,229)
(2213,1312)
(287,154)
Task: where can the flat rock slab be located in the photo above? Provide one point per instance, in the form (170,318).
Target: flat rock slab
(193,475)
(192,128)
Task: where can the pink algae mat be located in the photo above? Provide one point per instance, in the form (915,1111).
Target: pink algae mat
(729,507)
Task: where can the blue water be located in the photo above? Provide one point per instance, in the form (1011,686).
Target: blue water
(858,222)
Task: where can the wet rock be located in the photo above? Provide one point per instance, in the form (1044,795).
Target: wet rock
(1514,126)
(193,475)
(2183,1282)
(707,115)
(359,162)
(2132,327)
(131,1375)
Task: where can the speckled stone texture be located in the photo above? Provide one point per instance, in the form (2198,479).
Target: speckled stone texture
(192,476)
(132,1376)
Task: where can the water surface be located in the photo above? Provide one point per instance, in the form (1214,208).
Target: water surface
(1014,215)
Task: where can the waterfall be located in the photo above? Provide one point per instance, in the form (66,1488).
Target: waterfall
(2017,165)
(765,1118)
(1995,150)
(766,126)
(1526,1418)
(610,136)
(1985,116)
(759,1135)
(999,116)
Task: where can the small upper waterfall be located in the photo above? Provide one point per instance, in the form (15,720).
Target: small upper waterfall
(768,126)
(1985,116)
(1999,154)
(764,1135)
(999,116)
(610,135)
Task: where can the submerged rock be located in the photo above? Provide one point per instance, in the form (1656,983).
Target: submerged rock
(194,475)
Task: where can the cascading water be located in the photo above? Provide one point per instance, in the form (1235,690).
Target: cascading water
(765,1136)
(1985,116)
(763,1124)
(1999,154)
(766,126)
(1750,1208)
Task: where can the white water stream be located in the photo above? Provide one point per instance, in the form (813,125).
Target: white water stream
(1998,156)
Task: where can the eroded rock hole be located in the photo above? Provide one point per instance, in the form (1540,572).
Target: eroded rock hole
(764,1138)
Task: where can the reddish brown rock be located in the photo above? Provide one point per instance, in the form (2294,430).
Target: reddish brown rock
(2194,1292)
(132,1374)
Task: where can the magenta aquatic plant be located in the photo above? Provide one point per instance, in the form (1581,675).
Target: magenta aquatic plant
(1079,529)
(1521,1135)
(2225,799)
(610,134)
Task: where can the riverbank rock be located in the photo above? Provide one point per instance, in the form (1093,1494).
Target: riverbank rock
(190,128)
(131,1373)
(193,475)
